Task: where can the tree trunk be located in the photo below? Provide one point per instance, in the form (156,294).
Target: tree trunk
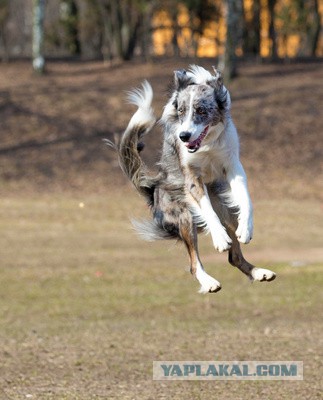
(4,16)
(272,29)
(106,48)
(70,23)
(256,26)
(117,28)
(146,31)
(316,28)
(132,39)
(176,49)
(38,35)
(251,32)
(233,17)
(311,30)
(125,22)
(3,44)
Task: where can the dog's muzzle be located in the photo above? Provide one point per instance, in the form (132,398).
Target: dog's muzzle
(185,136)
(193,146)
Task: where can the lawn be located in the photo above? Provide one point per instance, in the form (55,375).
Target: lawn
(86,307)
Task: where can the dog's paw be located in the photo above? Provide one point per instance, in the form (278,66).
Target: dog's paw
(221,240)
(245,230)
(208,284)
(262,274)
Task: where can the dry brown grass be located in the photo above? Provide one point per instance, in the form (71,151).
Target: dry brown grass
(85,306)
(52,127)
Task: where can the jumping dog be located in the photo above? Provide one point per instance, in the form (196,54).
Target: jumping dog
(201,184)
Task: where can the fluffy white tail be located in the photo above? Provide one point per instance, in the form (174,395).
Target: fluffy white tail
(142,98)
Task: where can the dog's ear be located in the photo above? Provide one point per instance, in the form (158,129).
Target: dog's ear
(220,91)
(181,79)
(222,97)
(216,81)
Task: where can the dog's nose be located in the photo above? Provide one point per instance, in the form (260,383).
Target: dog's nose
(185,136)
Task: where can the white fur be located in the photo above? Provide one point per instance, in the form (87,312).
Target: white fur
(188,124)
(220,238)
(240,196)
(142,98)
(199,74)
(220,151)
(208,284)
(262,274)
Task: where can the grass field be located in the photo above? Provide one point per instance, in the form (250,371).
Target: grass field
(85,306)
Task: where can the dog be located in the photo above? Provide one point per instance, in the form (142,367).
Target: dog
(201,184)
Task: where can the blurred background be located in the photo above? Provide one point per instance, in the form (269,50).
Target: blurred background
(85,306)
(91,52)
(121,30)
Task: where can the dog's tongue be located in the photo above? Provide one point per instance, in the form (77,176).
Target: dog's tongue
(195,145)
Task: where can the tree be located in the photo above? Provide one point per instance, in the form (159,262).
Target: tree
(69,20)
(122,23)
(233,18)
(300,17)
(38,35)
(309,26)
(317,28)
(145,34)
(4,15)
(272,29)
(176,29)
(251,30)
(201,13)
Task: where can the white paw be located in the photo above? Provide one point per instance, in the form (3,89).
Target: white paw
(245,230)
(208,284)
(221,240)
(261,274)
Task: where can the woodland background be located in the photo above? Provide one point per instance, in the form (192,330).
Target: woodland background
(121,30)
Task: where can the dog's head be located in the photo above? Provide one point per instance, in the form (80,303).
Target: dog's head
(200,102)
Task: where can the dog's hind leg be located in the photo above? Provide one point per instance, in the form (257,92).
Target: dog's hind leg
(237,260)
(188,234)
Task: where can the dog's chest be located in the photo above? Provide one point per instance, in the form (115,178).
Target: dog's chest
(208,162)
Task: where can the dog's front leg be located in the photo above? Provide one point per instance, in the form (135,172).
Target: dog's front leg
(237,179)
(203,208)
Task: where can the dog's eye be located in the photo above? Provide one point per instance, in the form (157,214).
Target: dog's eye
(200,111)
(180,111)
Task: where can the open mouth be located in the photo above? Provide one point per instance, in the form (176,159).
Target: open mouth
(196,144)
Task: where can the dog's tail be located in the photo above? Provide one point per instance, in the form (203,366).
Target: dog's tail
(134,168)
(130,145)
